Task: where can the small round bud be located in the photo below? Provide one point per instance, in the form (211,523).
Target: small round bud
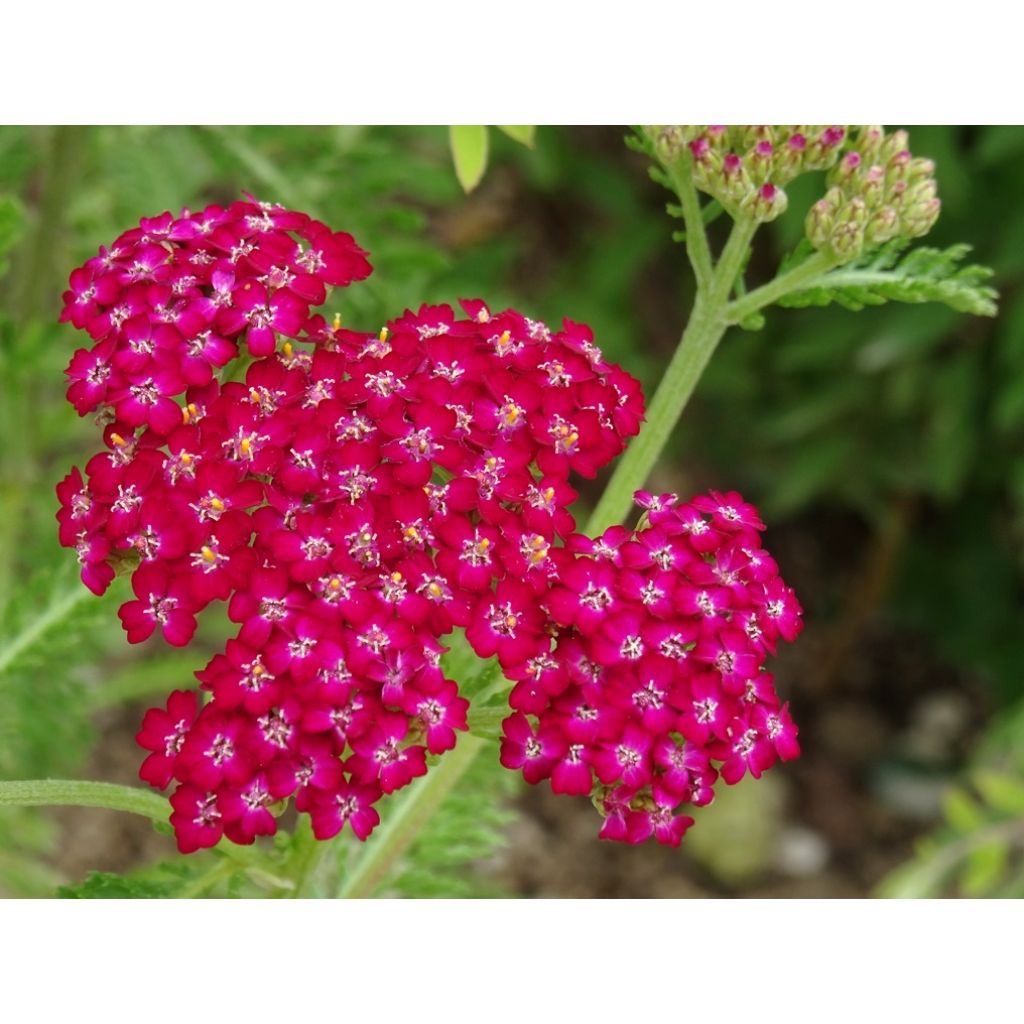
(707,165)
(717,134)
(919,208)
(921,219)
(893,145)
(869,141)
(765,203)
(847,238)
(872,187)
(821,218)
(846,172)
(883,225)
(760,161)
(823,150)
(920,168)
(789,157)
(752,134)
(733,184)
(668,141)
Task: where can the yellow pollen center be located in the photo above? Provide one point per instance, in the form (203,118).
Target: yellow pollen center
(185,459)
(506,336)
(435,589)
(288,349)
(118,440)
(491,462)
(485,543)
(383,336)
(335,584)
(483,316)
(216,503)
(396,577)
(336,322)
(366,538)
(245,445)
(258,670)
(208,553)
(510,621)
(549,494)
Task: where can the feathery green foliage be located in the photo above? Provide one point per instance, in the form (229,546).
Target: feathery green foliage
(891,274)
(445,859)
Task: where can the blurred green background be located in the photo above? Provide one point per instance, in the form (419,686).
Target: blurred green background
(883,447)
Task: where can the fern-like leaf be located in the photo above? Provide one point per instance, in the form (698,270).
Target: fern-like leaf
(890,274)
(466,830)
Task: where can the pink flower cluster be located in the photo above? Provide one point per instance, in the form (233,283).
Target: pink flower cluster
(656,671)
(354,498)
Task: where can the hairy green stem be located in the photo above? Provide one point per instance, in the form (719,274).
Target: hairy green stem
(415,808)
(703,332)
(697,248)
(74,793)
(308,855)
(793,280)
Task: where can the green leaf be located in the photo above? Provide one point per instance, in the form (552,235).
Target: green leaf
(521,133)
(986,867)
(1003,792)
(105,885)
(962,812)
(469,152)
(922,275)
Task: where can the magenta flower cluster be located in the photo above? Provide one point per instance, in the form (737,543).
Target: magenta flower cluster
(354,498)
(656,670)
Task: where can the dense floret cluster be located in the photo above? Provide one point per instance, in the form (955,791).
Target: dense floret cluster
(657,670)
(354,498)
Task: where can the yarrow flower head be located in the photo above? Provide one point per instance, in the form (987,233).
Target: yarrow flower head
(656,686)
(354,498)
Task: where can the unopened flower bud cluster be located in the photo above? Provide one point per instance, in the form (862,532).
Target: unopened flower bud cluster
(745,167)
(877,191)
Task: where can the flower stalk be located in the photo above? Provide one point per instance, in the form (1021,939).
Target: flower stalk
(75,793)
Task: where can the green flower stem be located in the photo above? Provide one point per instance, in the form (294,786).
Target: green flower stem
(403,823)
(308,855)
(793,280)
(696,238)
(72,793)
(708,323)
(486,722)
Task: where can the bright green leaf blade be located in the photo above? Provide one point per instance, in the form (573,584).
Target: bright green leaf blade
(521,133)
(469,152)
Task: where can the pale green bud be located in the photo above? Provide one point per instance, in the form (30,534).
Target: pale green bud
(883,225)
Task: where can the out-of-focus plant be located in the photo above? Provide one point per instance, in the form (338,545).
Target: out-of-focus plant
(979,849)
